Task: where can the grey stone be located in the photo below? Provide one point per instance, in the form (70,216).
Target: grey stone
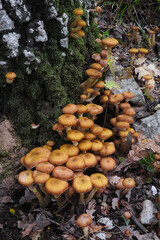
(63,24)
(150,125)
(22,13)
(5,22)
(29,55)
(148,214)
(64,42)
(12,43)
(2,63)
(41,32)
(52,12)
(1,7)
(14,3)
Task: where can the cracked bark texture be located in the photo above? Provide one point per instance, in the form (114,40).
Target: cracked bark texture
(50,66)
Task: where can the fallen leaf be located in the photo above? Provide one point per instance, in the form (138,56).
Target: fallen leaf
(107,222)
(6,199)
(91,208)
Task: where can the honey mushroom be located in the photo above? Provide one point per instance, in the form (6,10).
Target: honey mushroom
(99,181)
(70,149)
(84,221)
(107,164)
(115,99)
(128,183)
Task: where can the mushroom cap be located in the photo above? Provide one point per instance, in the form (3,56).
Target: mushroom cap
(119,184)
(123,133)
(113,121)
(83,96)
(89,90)
(75,135)
(45,167)
(124,118)
(91,72)
(108,149)
(124,105)
(107,163)
(58,157)
(110,42)
(78,11)
(50,143)
(75,163)
(104,53)
(129,183)
(81,33)
(103,62)
(85,122)
(89,136)
(96,66)
(98,9)
(128,95)
(89,159)
(116,98)
(67,120)
(84,145)
(103,99)
(63,173)
(70,108)
(97,145)
(122,125)
(56,186)
(105,134)
(41,177)
(22,160)
(99,180)
(129,111)
(107,92)
(147,77)
(96,129)
(58,127)
(131,130)
(143,50)
(94,109)
(136,28)
(81,23)
(70,149)
(127,215)
(96,57)
(99,84)
(48,147)
(133,51)
(84,220)
(11,75)
(151,32)
(26,178)
(36,155)
(82,184)
(81,108)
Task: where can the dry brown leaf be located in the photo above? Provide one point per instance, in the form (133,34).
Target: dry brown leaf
(113,180)
(147,236)
(68,236)
(115,203)
(91,208)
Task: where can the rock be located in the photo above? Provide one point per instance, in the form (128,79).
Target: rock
(150,125)
(64,42)
(12,43)
(1,7)
(5,22)
(41,33)
(148,214)
(63,24)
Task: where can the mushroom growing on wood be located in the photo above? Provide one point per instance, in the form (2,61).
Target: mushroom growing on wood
(83,221)
(10,76)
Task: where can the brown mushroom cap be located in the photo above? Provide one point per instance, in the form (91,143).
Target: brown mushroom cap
(50,143)
(122,125)
(89,90)
(107,92)
(107,163)
(89,159)
(89,136)
(96,57)
(56,186)
(81,33)
(129,111)
(143,50)
(116,98)
(99,84)
(75,163)
(10,75)
(81,108)
(67,120)
(82,184)
(123,133)
(41,177)
(103,99)
(108,149)
(96,129)
(113,121)
(81,23)
(127,215)
(124,105)
(26,178)
(103,62)
(63,173)
(129,183)
(96,66)
(91,72)
(84,145)
(133,51)
(94,109)
(124,118)
(36,155)
(85,122)
(111,42)
(58,157)
(99,180)
(119,184)
(136,28)
(69,108)
(75,135)
(105,134)
(128,95)
(104,53)
(97,145)
(147,77)
(45,167)
(78,11)
(70,149)
(84,220)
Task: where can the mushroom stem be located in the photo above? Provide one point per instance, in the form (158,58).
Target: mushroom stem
(74,35)
(47,197)
(81,198)
(86,231)
(74,23)
(91,195)
(88,83)
(58,200)
(41,201)
(76,29)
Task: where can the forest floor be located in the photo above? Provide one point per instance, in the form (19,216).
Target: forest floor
(22,218)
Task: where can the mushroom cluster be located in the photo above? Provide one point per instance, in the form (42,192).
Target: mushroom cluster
(76,26)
